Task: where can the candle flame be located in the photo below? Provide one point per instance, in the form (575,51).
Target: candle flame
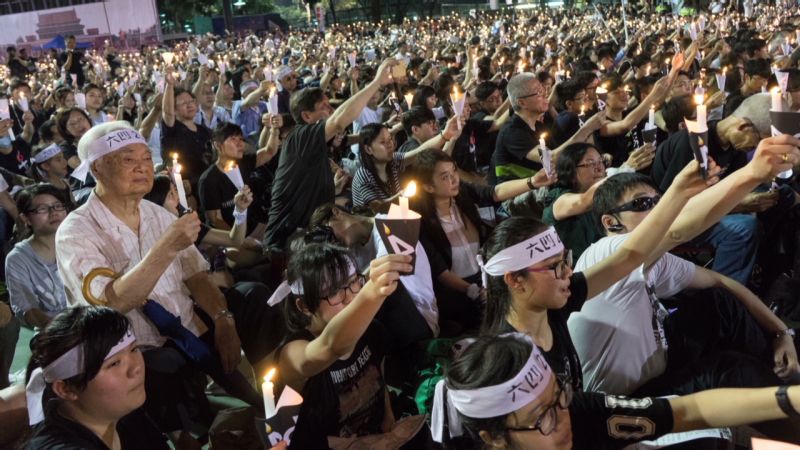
(699,99)
(410,190)
(543,135)
(775,90)
(269,375)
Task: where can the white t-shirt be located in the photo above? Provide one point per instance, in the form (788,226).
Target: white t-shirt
(619,333)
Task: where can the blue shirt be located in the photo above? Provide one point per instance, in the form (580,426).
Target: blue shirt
(249,118)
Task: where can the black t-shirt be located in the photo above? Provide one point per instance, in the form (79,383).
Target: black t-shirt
(17,160)
(484,142)
(216,191)
(673,154)
(192,147)
(136,431)
(562,357)
(75,67)
(465,149)
(567,124)
(636,139)
(303,181)
(610,422)
(347,398)
(515,140)
(616,146)
(284,98)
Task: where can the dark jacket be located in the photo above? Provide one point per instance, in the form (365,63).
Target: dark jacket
(432,235)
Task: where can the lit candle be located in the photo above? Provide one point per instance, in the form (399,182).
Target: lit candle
(176,174)
(777,104)
(268,392)
(23,102)
(234,174)
(701,110)
(409,192)
(168,57)
(272,104)
(409,98)
(5,114)
(544,154)
(651,118)
(458,103)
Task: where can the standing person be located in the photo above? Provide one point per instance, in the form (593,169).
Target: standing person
(87,388)
(71,62)
(17,67)
(95,97)
(34,285)
(304,179)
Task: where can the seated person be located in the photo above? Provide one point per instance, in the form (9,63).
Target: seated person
(34,285)
(334,355)
(625,339)
(48,165)
(412,314)
(573,106)
(506,378)
(452,231)
(105,254)
(87,384)
(757,73)
(376,183)
(735,237)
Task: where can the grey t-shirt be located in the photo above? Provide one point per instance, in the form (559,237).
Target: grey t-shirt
(33,282)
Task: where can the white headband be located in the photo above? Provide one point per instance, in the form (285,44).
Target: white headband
(104,145)
(519,256)
(296,287)
(490,401)
(50,151)
(66,366)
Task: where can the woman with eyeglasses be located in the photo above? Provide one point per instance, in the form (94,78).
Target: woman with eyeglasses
(334,353)
(532,289)
(35,288)
(580,170)
(499,393)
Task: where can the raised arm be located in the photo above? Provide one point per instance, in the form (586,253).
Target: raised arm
(301,360)
(348,111)
(168,100)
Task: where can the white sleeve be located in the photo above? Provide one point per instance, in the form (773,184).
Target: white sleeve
(670,275)
(3,184)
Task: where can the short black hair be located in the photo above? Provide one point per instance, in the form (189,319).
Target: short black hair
(485,89)
(304,100)
(675,110)
(758,67)
(89,86)
(609,194)
(224,130)
(567,90)
(416,117)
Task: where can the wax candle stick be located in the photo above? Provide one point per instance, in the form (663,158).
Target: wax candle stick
(176,174)
(701,110)
(268,392)
(272,104)
(5,114)
(651,117)
(409,97)
(234,174)
(777,103)
(409,192)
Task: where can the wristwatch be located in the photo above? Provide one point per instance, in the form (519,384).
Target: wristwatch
(223,313)
(786,332)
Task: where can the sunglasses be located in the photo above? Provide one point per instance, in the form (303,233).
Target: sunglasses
(640,204)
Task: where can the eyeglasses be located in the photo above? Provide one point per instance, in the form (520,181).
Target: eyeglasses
(559,269)
(548,420)
(640,204)
(536,93)
(592,164)
(187,102)
(339,296)
(47,209)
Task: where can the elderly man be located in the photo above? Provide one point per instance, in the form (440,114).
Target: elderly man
(156,274)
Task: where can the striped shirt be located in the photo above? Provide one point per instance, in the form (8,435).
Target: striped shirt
(92,237)
(365,185)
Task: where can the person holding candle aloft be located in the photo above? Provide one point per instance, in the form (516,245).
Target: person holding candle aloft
(305,156)
(180,134)
(334,354)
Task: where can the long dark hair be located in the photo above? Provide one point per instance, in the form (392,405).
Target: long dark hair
(63,117)
(421,96)
(489,361)
(567,164)
(321,268)
(97,328)
(366,136)
(510,232)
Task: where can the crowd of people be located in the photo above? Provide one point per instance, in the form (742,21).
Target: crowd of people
(591,269)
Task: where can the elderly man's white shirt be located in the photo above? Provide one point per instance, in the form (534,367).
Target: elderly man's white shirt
(92,236)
